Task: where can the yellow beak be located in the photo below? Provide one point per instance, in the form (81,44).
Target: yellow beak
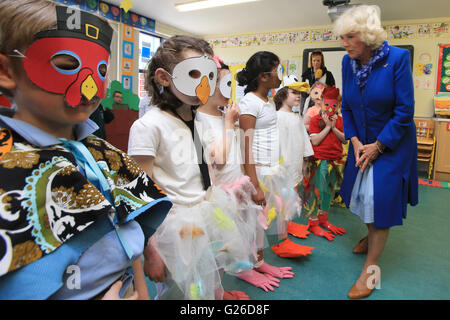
(89,88)
(203,90)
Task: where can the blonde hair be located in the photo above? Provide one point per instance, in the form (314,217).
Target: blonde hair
(20,20)
(364,20)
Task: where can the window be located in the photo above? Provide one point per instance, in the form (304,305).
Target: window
(148,44)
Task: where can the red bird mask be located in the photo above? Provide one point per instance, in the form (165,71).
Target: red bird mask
(330,100)
(87,43)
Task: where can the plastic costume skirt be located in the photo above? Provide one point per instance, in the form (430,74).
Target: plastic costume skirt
(319,185)
(246,215)
(197,241)
(282,202)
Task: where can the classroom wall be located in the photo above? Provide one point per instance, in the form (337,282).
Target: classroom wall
(422,48)
(161,29)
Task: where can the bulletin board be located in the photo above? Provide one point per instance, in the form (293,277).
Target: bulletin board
(443,74)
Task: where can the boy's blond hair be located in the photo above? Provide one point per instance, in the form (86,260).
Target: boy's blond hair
(20,20)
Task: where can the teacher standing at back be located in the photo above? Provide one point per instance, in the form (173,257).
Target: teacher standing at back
(380,176)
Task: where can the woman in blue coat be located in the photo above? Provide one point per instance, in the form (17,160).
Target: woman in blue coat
(380,176)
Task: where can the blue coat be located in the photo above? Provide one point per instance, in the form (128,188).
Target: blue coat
(385,111)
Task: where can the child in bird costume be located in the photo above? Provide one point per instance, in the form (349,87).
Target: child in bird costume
(317,191)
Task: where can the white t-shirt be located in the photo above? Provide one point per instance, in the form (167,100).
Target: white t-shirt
(265,140)
(175,168)
(294,143)
(211,128)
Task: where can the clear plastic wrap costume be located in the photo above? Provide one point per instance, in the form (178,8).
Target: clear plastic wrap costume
(282,202)
(196,241)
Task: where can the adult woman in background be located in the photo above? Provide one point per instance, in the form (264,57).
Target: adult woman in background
(317,70)
(380,176)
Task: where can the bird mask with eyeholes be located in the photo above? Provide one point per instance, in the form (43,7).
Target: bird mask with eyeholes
(83,41)
(330,104)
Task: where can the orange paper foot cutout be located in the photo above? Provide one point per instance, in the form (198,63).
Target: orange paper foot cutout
(313,225)
(298,230)
(235,295)
(289,249)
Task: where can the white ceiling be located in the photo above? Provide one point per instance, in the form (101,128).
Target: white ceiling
(272,15)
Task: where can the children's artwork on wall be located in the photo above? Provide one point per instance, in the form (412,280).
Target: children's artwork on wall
(424,30)
(136,20)
(128,49)
(109,11)
(423,68)
(316,35)
(328,35)
(127,67)
(128,97)
(305,36)
(126,5)
(442,104)
(127,82)
(292,67)
(89,5)
(443,76)
(402,31)
(128,33)
(440,29)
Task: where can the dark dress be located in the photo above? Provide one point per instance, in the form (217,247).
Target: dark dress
(309,75)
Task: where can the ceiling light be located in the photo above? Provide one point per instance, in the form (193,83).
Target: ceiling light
(204,4)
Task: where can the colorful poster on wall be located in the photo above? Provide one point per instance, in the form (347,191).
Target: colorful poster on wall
(443,76)
(127,82)
(128,49)
(127,67)
(128,33)
(440,29)
(402,31)
(109,11)
(424,30)
(135,20)
(90,6)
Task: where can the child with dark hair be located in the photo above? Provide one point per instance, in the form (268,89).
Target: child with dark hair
(317,191)
(76,212)
(260,145)
(199,236)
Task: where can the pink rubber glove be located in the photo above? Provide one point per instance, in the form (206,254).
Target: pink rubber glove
(279,272)
(259,280)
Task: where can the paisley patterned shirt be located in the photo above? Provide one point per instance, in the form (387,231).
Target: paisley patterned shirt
(45,200)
